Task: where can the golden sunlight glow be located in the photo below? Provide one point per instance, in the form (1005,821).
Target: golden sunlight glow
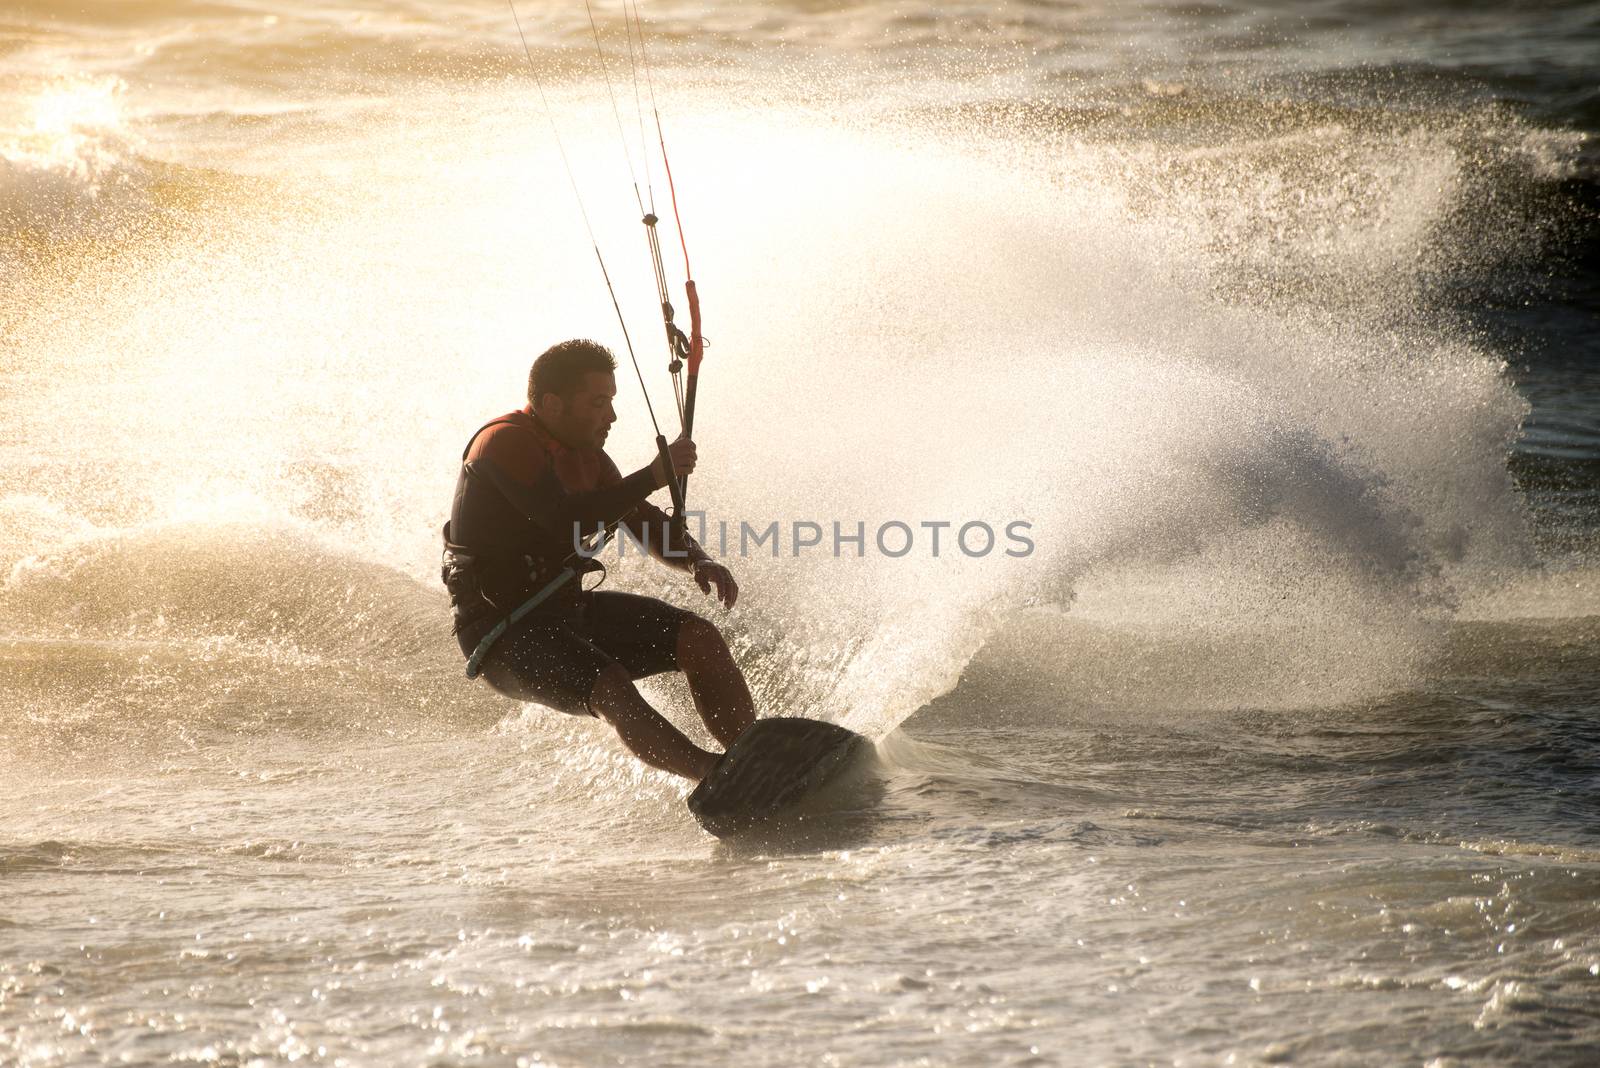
(68,125)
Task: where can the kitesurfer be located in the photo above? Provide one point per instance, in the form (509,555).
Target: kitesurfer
(529,480)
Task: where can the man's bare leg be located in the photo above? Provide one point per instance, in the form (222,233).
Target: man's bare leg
(721,695)
(645,732)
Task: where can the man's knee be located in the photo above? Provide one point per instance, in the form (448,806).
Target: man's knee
(698,636)
(612,693)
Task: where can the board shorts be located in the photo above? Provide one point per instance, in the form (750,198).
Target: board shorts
(553,658)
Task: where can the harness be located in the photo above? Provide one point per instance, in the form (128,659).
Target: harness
(475,661)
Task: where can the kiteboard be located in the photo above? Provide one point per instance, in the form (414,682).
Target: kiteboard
(773,765)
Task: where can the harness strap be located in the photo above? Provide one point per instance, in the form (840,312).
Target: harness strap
(475,661)
(586,564)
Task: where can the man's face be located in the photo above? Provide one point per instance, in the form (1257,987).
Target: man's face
(584,419)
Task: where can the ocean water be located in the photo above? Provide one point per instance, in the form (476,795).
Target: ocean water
(1277,323)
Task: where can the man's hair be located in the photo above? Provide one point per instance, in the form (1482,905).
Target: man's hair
(561,367)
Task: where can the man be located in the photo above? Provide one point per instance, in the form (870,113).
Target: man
(527,479)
